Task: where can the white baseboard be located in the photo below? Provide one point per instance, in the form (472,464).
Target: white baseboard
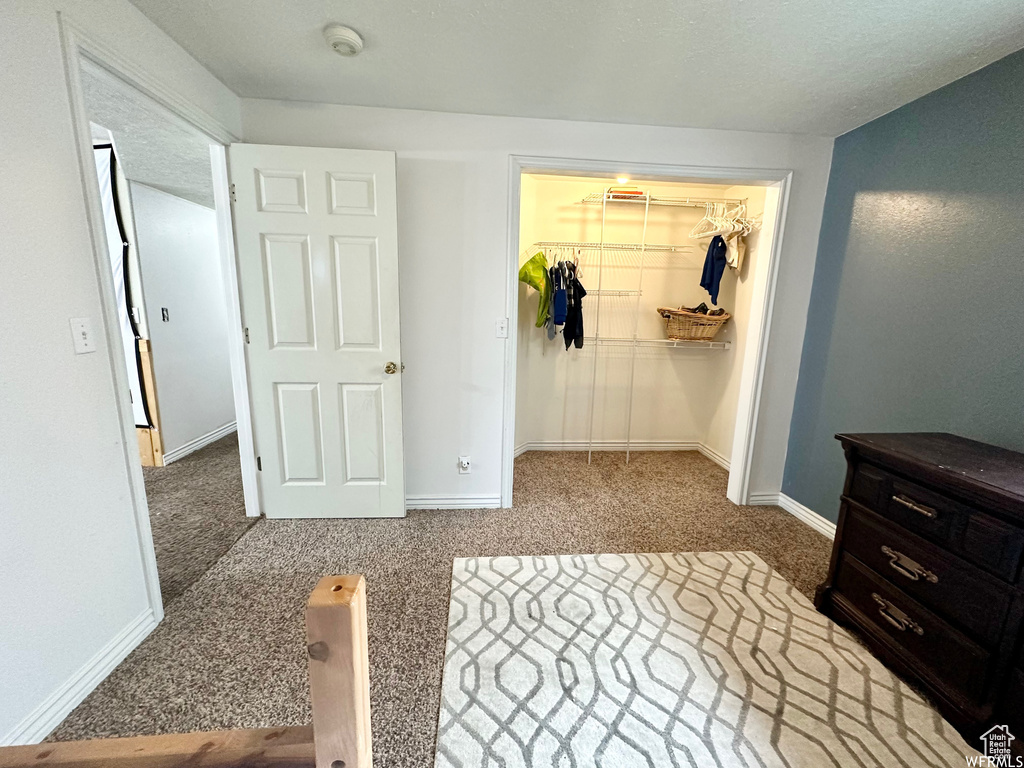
(452,502)
(200,442)
(798,510)
(714,455)
(43,719)
(620,445)
(808,515)
(608,445)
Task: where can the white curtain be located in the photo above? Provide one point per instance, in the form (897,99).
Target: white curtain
(104,158)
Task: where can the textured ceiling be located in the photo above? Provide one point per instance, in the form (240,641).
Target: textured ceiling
(154,147)
(802,66)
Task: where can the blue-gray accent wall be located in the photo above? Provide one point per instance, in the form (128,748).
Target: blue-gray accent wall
(916,320)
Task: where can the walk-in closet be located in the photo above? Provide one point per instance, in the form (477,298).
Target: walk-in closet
(658,361)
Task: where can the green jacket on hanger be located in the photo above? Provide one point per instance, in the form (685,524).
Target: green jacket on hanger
(535,274)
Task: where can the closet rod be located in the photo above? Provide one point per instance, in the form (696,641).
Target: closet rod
(613,246)
(679,202)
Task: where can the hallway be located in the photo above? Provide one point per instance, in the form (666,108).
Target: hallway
(197,512)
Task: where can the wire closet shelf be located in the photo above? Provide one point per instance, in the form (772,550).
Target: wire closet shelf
(663,343)
(598,198)
(634,342)
(586,246)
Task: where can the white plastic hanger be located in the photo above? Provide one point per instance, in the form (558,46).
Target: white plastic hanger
(703,225)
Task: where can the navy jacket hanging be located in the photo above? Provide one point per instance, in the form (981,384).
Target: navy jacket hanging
(714,268)
(559,300)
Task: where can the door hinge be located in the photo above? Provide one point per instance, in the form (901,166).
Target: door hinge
(259,464)
(246,331)
(234,199)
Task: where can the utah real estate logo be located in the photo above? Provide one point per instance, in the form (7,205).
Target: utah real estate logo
(997,740)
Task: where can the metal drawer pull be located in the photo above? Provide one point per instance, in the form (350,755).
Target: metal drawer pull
(912,505)
(895,616)
(904,566)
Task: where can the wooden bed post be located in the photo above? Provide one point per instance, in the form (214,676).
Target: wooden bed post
(339,683)
(339,672)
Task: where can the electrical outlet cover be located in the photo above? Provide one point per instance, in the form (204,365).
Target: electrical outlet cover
(82,335)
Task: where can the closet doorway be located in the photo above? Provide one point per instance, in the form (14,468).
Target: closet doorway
(638,241)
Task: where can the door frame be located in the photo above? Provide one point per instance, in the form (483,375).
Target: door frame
(752,375)
(76,46)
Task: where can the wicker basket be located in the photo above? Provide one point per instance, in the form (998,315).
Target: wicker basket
(684,325)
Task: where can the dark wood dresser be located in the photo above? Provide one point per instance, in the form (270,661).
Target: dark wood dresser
(926,567)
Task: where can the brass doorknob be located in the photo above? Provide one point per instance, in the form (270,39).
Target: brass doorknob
(390,368)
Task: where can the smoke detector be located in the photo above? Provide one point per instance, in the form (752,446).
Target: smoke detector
(344,40)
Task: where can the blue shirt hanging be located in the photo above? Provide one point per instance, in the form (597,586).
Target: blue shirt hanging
(714,267)
(560,300)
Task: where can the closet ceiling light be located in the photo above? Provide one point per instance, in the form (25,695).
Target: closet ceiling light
(344,40)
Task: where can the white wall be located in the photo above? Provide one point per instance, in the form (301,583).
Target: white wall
(72,599)
(676,392)
(737,290)
(181,270)
(453,212)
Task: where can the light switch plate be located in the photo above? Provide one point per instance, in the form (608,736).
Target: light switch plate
(81,333)
(501,327)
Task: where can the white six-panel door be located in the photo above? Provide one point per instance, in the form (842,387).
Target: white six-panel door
(316,233)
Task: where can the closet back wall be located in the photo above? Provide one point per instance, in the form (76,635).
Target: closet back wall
(453,209)
(676,392)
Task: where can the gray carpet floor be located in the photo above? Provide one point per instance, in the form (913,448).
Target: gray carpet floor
(231,652)
(196,511)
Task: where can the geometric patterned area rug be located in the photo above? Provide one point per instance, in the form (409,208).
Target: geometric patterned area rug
(695,659)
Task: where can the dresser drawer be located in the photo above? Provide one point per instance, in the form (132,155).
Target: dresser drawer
(994,545)
(911,505)
(921,509)
(958,661)
(869,486)
(984,540)
(952,588)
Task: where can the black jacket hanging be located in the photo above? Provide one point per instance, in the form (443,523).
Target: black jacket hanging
(573,330)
